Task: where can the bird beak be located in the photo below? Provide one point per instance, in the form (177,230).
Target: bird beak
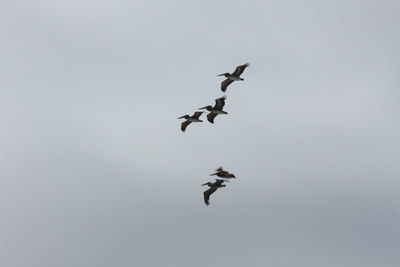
(221,74)
(204,184)
(203,107)
(182,117)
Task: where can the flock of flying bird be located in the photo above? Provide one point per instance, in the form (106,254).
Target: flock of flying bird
(214,111)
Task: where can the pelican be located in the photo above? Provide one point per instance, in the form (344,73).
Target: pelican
(220,172)
(234,76)
(216,110)
(213,187)
(189,119)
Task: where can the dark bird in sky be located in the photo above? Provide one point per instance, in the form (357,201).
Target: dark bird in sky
(234,76)
(216,110)
(189,119)
(220,172)
(213,187)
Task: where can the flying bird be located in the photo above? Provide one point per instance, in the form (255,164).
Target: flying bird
(189,119)
(213,187)
(216,110)
(220,172)
(234,76)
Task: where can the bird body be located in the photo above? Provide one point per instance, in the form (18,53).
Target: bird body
(213,110)
(217,183)
(193,119)
(219,112)
(233,78)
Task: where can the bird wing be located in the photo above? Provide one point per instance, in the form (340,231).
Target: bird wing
(207,194)
(184,125)
(221,174)
(211,116)
(219,169)
(197,114)
(220,103)
(239,69)
(225,84)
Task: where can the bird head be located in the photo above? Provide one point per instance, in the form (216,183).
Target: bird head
(226,74)
(206,107)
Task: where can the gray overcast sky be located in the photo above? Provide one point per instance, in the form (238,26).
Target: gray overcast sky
(94,170)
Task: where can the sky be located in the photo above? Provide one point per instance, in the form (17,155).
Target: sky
(94,170)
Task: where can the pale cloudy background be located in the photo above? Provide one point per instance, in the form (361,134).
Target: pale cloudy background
(94,170)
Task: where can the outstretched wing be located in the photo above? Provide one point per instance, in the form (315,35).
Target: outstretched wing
(225,84)
(207,194)
(219,169)
(184,125)
(197,114)
(211,116)
(220,103)
(239,69)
